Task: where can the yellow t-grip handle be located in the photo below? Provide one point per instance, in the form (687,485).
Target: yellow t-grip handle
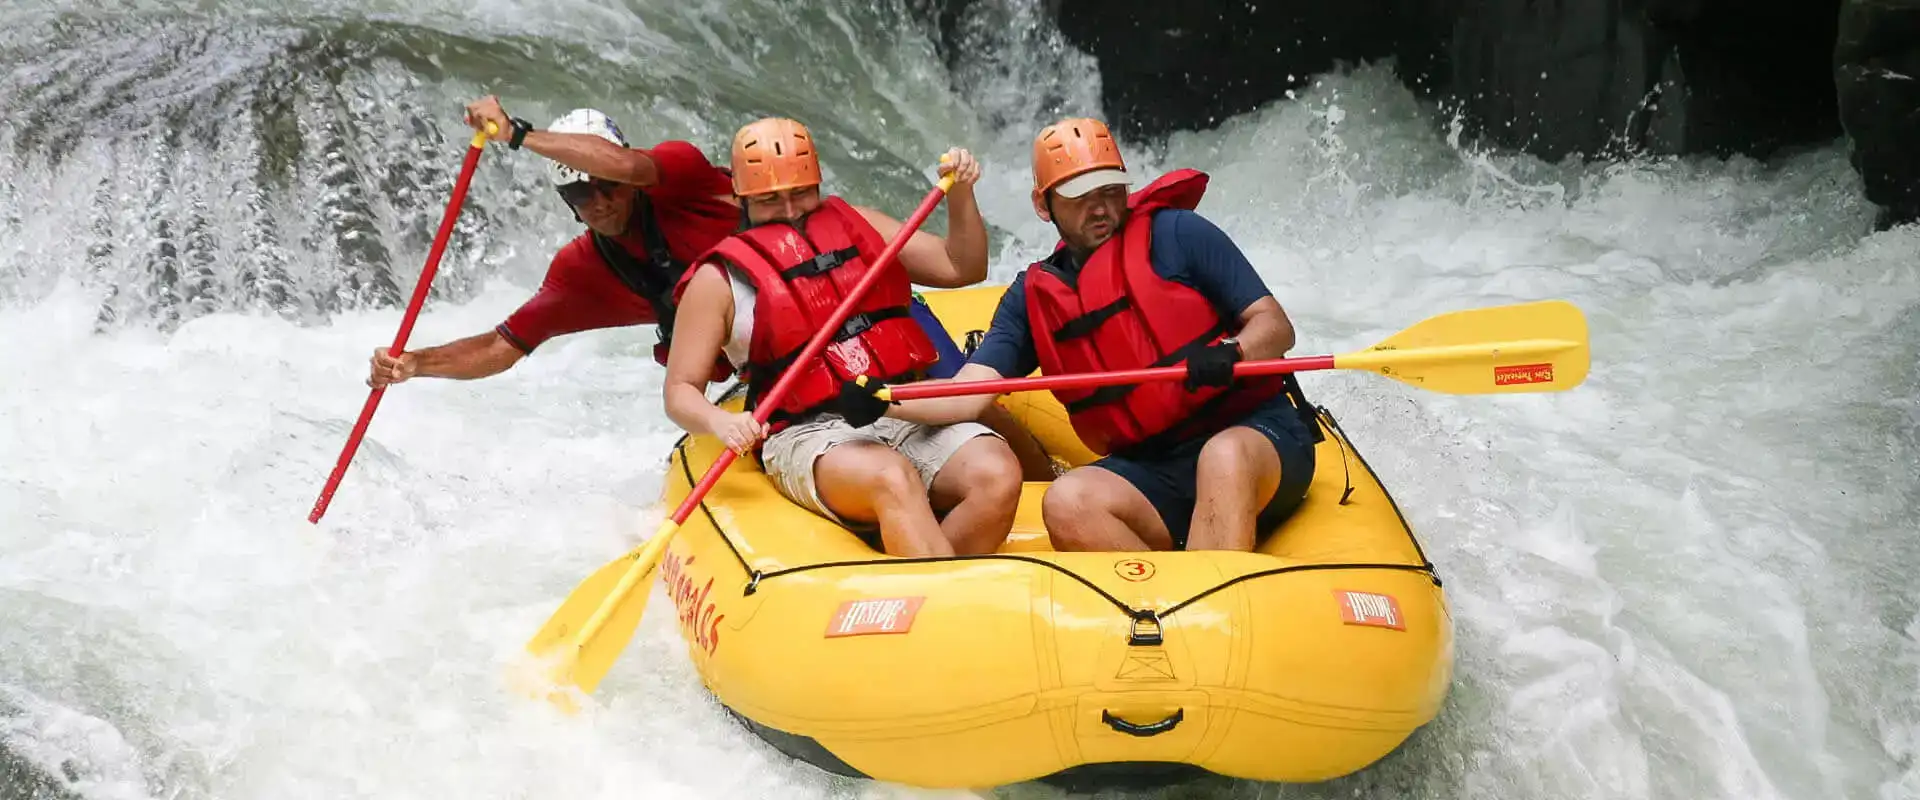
(946,184)
(480,137)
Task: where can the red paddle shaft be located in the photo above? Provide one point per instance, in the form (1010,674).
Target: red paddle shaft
(420,288)
(920,391)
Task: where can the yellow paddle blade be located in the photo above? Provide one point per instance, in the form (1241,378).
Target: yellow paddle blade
(579,643)
(1525,347)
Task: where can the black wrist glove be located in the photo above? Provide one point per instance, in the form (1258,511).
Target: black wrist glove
(1212,366)
(858,403)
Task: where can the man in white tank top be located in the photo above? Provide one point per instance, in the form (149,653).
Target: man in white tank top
(891,475)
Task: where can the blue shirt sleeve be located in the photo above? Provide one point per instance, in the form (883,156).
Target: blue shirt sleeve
(1189,249)
(1008,345)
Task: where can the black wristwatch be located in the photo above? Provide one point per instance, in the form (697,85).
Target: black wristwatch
(520,128)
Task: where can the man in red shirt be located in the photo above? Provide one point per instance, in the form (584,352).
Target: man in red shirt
(648,211)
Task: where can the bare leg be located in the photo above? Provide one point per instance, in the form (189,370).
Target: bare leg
(980,485)
(1090,508)
(1238,473)
(870,482)
(1034,464)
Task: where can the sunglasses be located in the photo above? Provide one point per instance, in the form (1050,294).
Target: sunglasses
(580,192)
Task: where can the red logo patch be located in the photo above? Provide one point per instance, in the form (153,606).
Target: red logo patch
(1522,373)
(1369,608)
(880,615)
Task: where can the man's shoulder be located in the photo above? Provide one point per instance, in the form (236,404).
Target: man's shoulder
(578,247)
(1183,237)
(1175,222)
(676,147)
(577,254)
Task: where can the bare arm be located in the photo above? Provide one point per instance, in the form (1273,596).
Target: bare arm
(585,152)
(700,328)
(480,356)
(961,258)
(1265,331)
(595,156)
(949,410)
(699,332)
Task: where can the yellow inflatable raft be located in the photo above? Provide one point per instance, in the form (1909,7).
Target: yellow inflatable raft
(1308,659)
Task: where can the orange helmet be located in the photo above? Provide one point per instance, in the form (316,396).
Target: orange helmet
(773,154)
(1076,156)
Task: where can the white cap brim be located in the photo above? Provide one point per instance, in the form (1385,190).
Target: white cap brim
(1082,184)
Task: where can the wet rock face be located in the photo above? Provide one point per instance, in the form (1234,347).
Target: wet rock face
(1552,77)
(1168,66)
(1601,77)
(1549,77)
(1876,67)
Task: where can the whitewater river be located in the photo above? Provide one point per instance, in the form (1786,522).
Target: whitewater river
(1691,577)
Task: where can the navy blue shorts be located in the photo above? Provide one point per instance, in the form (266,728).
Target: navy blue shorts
(1168,481)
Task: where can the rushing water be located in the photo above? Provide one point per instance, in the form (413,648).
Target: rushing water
(1688,578)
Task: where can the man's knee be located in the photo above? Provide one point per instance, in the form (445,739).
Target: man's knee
(1238,453)
(989,470)
(876,469)
(1070,505)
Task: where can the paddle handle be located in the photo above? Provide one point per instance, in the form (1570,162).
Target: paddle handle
(1086,380)
(420,288)
(771,401)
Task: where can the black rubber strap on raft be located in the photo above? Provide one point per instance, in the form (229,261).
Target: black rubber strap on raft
(1411,539)
(1130,611)
(755,577)
(687,469)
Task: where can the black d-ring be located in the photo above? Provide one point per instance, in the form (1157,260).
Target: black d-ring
(1150,729)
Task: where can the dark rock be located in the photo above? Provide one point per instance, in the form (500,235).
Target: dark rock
(1551,77)
(1662,76)
(1753,74)
(1176,66)
(1548,77)
(1876,68)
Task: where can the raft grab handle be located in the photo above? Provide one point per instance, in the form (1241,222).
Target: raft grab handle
(1150,729)
(1146,629)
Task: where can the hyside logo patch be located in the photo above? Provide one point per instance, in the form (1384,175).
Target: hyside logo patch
(1370,608)
(875,616)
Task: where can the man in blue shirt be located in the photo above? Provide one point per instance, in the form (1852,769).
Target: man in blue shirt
(1142,281)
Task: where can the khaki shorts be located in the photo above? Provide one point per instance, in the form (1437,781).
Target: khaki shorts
(788,456)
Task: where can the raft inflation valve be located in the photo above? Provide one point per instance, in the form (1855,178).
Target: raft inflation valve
(1146,630)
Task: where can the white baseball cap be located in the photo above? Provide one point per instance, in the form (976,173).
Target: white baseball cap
(1087,182)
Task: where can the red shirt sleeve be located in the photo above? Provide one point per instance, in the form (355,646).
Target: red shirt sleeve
(580,293)
(687,200)
(685,172)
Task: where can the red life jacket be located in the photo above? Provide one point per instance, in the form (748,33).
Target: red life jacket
(1116,313)
(799,279)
